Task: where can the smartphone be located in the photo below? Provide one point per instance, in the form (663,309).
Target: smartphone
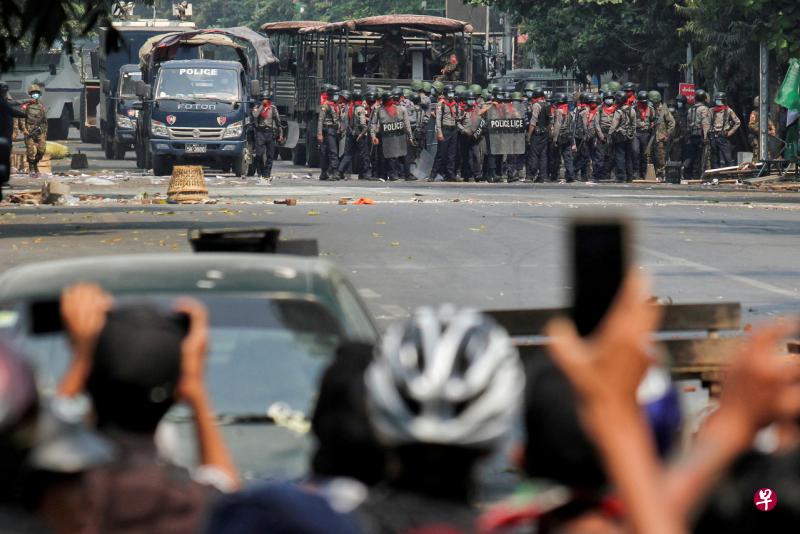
(600,256)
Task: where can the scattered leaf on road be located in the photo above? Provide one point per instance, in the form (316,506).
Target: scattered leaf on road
(135,211)
(312,213)
(380,222)
(480,228)
(376,234)
(395,243)
(165,213)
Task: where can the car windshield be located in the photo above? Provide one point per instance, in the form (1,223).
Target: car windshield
(198,83)
(263,366)
(128,83)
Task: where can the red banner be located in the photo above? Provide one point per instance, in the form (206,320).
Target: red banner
(687,90)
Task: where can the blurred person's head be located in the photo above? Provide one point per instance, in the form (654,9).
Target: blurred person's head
(346,444)
(18,410)
(557,447)
(136,368)
(441,394)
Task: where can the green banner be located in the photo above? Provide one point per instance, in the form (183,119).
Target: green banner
(789,94)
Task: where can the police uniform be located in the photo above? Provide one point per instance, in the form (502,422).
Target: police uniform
(360,127)
(35,131)
(412,112)
(724,123)
(394,165)
(563,141)
(328,128)
(623,146)
(698,124)
(645,119)
(607,123)
(268,131)
(475,144)
(583,140)
(538,122)
(446,119)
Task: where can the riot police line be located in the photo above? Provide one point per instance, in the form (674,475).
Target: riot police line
(438,132)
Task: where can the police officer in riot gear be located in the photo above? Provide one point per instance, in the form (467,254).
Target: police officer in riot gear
(724,123)
(346,139)
(538,126)
(562,136)
(328,134)
(360,132)
(392,130)
(268,130)
(645,119)
(446,133)
(698,124)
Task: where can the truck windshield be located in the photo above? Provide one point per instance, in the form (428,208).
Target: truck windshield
(127,83)
(198,83)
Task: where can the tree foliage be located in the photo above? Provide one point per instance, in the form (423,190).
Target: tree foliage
(637,39)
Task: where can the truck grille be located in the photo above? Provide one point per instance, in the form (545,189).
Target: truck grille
(196,133)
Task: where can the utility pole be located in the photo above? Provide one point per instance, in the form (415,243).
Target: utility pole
(689,67)
(763,100)
(487,28)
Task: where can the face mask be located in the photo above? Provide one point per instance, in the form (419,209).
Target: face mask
(335,98)
(35,96)
(608,101)
(451,96)
(470,102)
(671,110)
(718,102)
(680,105)
(529,94)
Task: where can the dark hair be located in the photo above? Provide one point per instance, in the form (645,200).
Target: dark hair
(557,448)
(346,444)
(136,368)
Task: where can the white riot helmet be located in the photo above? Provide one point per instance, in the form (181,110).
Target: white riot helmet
(445,377)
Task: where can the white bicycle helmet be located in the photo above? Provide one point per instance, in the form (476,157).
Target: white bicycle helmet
(447,377)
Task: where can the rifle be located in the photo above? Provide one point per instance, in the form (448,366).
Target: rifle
(35,133)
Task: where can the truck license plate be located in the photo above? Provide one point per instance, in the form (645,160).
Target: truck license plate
(195,149)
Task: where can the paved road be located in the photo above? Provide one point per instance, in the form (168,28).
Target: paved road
(490,246)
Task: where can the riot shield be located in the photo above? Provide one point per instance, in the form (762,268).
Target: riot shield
(505,125)
(392,134)
(472,123)
(517,130)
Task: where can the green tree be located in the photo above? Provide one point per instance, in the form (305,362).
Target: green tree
(592,37)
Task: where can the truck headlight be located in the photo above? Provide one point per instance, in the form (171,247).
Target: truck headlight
(234,130)
(123,121)
(158,129)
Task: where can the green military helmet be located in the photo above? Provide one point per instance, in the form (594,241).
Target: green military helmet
(614,86)
(491,87)
(530,86)
(438,85)
(460,89)
(604,88)
(654,97)
(516,96)
(475,88)
(485,94)
(416,85)
(407,92)
(426,88)
(34,89)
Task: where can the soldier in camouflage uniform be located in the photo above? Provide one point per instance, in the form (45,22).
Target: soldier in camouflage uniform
(663,131)
(35,129)
(628,131)
(392,51)
(753,126)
